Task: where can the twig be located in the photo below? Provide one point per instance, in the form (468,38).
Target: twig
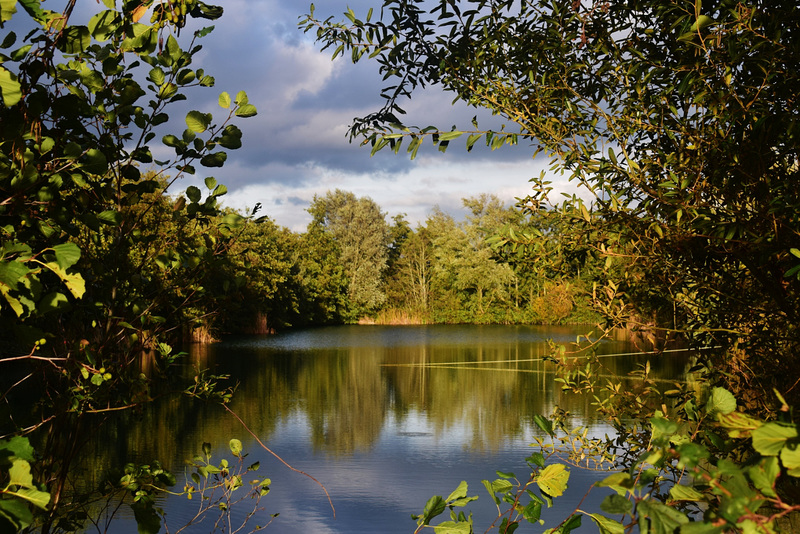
(279,458)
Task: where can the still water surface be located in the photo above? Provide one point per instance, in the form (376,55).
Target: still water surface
(384,417)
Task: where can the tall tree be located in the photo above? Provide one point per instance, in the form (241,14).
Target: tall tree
(361,234)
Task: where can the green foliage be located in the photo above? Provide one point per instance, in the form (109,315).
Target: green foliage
(462,272)
(100,270)
(677,120)
(217,485)
(675,480)
(357,238)
(18,492)
(673,117)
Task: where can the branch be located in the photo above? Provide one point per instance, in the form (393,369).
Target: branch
(234,414)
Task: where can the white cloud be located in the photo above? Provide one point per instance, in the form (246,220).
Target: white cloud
(431,181)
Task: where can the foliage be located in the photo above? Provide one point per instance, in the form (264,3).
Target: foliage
(262,266)
(683,476)
(446,271)
(677,118)
(217,487)
(679,121)
(18,491)
(361,235)
(99,270)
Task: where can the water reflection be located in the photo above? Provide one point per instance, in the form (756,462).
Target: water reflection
(384,416)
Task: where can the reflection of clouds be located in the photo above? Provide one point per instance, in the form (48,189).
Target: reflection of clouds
(433,427)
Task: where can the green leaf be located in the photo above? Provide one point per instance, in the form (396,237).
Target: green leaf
(198,122)
(434,507)
(224,100)
(95,162)
(607,525)
(545,424)
(20,474)
(738,424)
(765,474)
(74,281)
(616,504)
(702,21)
(17,446)
(231,137)
(157,76)
(216,159)
(498,486)
(53,302)
(721,401)
(619,482)
(193,193)
(210,182)
(552,480)
(74,39)
(17,512)
(453,527)
(662,518)
(459,492)
(246,110)
(569,525)
(790,458)
(103,24)
(186,76)
(449,136)
(236,447)
(7,9)
(38,498)
(10,87)
(110,217)
(770,438)
(680,492)
(532,511)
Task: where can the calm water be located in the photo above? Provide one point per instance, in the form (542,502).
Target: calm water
(384,417)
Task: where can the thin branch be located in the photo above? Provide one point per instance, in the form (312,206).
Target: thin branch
(234,414)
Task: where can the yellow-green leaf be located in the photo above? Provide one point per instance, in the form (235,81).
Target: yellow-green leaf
(10,87)
(20,474)
(770,438)
(552,480)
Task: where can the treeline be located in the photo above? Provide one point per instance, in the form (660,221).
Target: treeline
(352,264)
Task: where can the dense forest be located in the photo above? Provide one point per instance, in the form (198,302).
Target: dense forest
(352,265)
(678,120)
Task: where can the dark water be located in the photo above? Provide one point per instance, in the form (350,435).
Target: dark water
(384,417)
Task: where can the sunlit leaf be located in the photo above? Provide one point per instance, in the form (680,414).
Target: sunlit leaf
(553,479)
(198,122)
(770,438)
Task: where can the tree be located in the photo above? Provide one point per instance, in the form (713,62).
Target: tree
(467,284)
(359,229)
(91,283)
(409,276)
(679,119)
(262,267)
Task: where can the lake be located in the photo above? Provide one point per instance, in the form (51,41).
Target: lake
(384,416)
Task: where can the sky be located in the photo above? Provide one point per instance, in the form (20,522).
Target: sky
(297,145)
